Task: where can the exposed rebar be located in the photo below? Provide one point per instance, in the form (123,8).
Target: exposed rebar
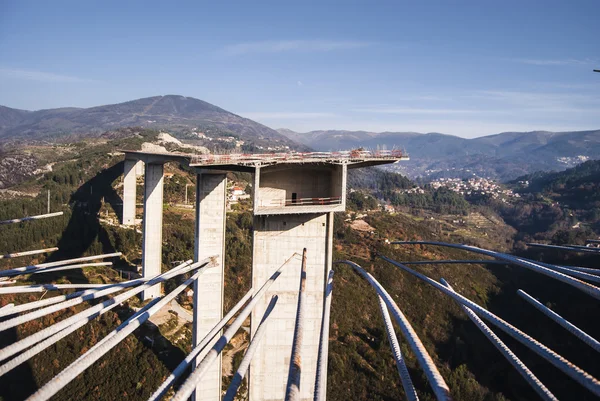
(39,216)
(576,331)
(292,392)
(321,377)
(439,386)
(565,278)
(407,384)
(106,344)
(48,301)
(113,302)
(191,383)
(589,270)
(39,347)
(180,369)
(200,351)
(572,248)
(20,289)
(39,267)
(27,253)
(523,370)
(570,369)
(579,273)
(453,262)
(78,300)
(236,381)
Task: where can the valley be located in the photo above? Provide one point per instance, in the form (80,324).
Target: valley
(86,188)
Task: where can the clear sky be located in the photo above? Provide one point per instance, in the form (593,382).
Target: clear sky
(467,68)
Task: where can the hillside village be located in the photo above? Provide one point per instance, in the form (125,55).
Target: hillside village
(476,186)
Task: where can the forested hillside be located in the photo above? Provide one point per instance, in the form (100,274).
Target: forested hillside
(87,184)
(562,207)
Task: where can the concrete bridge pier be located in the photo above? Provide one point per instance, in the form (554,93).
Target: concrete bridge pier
(276,237)
(211,194)
(152,226)
(130,174)
(294,198)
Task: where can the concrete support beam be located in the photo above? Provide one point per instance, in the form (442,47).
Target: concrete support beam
(344,185)
(275,239)
(130,172)
(255,190)
(152,232)
(211,195)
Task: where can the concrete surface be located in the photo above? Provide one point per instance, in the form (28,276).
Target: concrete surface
(129,190)
(211,194)
(276,238)
(152,227)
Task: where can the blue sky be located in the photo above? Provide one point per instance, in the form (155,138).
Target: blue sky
(467,68)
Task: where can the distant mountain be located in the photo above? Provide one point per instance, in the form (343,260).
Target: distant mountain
(172,112)
(11,117)
(503,156)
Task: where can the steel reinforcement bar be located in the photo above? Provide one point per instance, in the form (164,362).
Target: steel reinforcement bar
(440,388)
(407,384)
(78,300)
(454,262)
(39,347)
(236,381)
(107,343)
(188,387)
(572,248)
(321,377)
(27,253)
(112,302)
(40,267)
(39,216)
(523,370)
(292,392)
(201,350)
(566,270)
(576,373)
(565,278)
(180,369)
(570,327)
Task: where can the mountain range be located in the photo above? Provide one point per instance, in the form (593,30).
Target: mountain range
(503,156)
(161,112)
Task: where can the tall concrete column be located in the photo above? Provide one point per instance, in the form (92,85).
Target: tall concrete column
(276,237)
(211,192)
(152,232)
(344,185)
(130,168)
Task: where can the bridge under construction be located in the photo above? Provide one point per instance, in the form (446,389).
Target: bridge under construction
(294,198)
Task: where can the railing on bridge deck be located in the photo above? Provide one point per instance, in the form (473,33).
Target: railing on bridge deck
(334,200)
(282,157)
